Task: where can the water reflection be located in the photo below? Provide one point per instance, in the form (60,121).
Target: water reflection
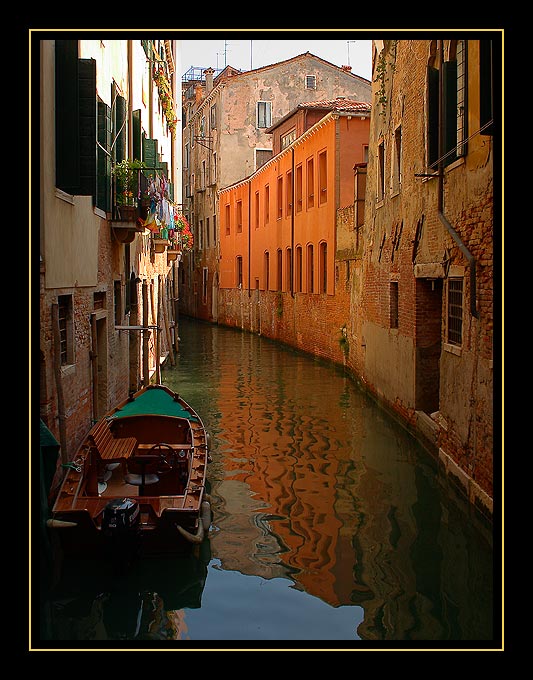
(313,482)
(329,521)
(147,602)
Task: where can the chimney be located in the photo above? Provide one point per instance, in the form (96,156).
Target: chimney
(208,79)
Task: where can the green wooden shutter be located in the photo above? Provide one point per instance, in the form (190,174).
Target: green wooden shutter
(137,137)
(121,129)
(433,115)
(449,73)
(66,116)
(87,123)
(150,156)
(103,196)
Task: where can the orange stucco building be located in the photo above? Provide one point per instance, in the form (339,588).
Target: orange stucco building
(278,226)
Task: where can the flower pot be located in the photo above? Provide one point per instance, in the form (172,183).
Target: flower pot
(127,213)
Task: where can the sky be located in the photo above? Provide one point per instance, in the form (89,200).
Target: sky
(248,53)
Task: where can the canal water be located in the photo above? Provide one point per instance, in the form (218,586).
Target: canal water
(332,528)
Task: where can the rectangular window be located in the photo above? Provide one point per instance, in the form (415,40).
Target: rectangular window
(267,204)
(397,161)
(256,211)
(288,139)
(288,268)
(264,114)
(461,97)
(117,289)
(239,271)
(288,194)
(432,117)
(207,232)
(381,171)
(201,235)
(310,183)
(299,188)
(262,156)
(280,270)
(227,219)
(393,304)
(66,329)
(322,177)
(310,82)
(323,267)
(239,217)
(187,155)
(455,312)
(213,117)
(205,275)
(299,269)
(280,198)
(267,271)
(215,236)
(99,300)
(214,170)
(310,269)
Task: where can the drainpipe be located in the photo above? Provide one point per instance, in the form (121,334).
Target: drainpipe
(292,222)
(470,258)
(249,238)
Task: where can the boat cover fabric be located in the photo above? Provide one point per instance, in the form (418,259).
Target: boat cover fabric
(154,402)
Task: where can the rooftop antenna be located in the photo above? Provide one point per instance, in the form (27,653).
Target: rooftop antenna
(348,42)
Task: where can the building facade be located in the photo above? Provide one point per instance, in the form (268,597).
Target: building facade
(226,139)
(422,336)
(281,271)
(106,278)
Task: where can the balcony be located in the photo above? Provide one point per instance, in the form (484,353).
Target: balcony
(127,216)
(126,222)
(159,244)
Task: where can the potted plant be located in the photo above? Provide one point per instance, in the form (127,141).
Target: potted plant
(126,174)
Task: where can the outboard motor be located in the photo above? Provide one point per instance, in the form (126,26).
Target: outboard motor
(121,530)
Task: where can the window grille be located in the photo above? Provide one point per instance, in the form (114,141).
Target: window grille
(455,311)
(310,82)
(63,307)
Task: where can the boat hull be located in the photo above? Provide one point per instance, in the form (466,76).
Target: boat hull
(137,484)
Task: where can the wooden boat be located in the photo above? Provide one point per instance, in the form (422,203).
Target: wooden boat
(137,482)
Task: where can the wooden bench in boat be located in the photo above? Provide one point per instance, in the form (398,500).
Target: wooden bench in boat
(108,446)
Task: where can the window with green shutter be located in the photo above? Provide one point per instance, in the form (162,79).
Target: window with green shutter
(150,156)
(433,116)
(449,74)
(119,124)
(136,135)
(67,116)
(103,181)
(87,124)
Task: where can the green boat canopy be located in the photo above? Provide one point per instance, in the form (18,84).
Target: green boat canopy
(154,402)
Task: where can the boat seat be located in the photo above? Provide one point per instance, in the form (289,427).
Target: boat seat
(110,447)
(137,480)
